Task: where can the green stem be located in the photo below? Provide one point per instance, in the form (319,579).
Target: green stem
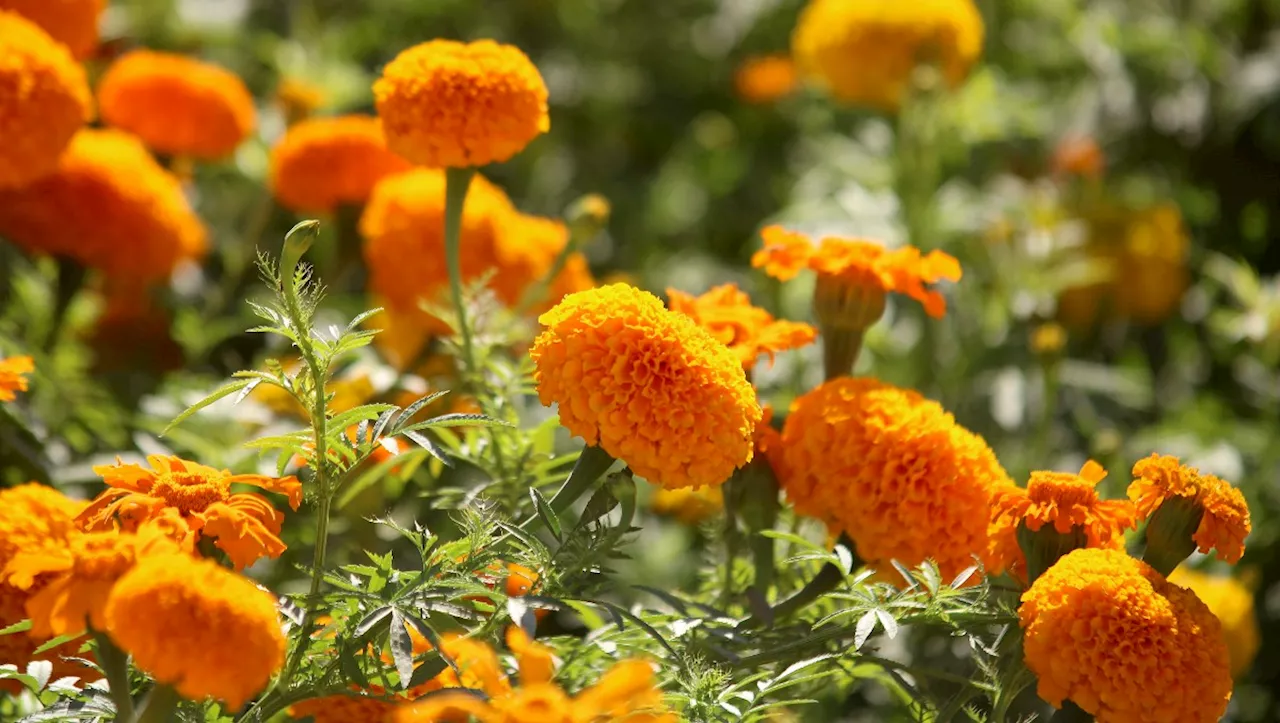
(71,277)
(840,349)
(115,665)
(825,581)
(456,183)
(592,463)
(1048,411)
(161,704)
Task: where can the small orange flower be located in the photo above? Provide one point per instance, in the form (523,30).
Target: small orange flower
(1079,156)
(1064,500)
(177,105)
(244,525)
(13,376)
(747,330)
(765,79)
(1225,523)
(537,665)
(74,23)
(450,104)
(325,162)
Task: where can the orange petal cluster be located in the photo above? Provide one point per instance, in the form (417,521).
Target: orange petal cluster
(13,376)
(1225,523)
(74,23)
(322,163)
(747,330)
(1109,633)
(647,385)
(766,78)
(450,104)
(44,99)
(892,470)
(177,105)
(244,525)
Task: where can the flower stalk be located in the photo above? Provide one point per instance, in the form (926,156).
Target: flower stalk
(456,183)
(115,666)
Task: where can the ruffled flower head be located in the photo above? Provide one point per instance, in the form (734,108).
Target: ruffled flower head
(244,525)
(690,505)
(13,376)
(198,627)
(44,98)
(108,205)
(1109,633)
(177,105)
(892,470)
(73,23)
(646,385)
(322,163)
(766,78)
(1063,501)
(747,330)
(1231,601)
(833,39)
(1224,523)
(450,104)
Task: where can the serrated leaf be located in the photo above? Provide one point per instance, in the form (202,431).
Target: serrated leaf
(887,622)
(361,317)
(427,670)
(53,643)
(21,626)
(964,576)
(425,442)
(223,391)
(545,513)
(417,406)
(401,648)
(459,420)
(862,631)
(365,625)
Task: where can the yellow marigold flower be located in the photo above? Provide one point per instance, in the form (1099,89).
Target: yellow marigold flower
(1152,274)
(747,330)
(244,525)
(74,23)
(450,104)
(765,79)
(44,100)
(1064,501)
(647,385)
(298,99)
(324,162)
(177,105)
(891,469)
(834,38)
(13,376)
(109,206)
(1231,601)
(1225,522)
(199,627)
(689,505)
(1152,652)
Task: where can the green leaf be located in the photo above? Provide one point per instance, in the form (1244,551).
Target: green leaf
(545,513)
(55,642)
(458,420)
(425,442)
(21,626)
(223,391)
(401,648)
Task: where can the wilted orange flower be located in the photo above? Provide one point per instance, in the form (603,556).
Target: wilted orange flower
(647,385)
(177,105)
(766,78)
(1065,501)
(197,626)
(322,163)
(109,206)
(244,525)
(892,470)
(73,23)
(747,330)
(1078,156)
(44,100)
(834,38)
(1109,633)
(1231,601)
(13,376)
(450,104)
(1225,523)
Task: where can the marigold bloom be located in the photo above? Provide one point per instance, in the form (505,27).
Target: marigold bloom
(1231,601)
(628,687)
(199,627)
(1109,633)
(647,385)
(244,525)
(537,665)
(690,505)
(13,376)
(891,469)
(177,105)
(324,162)
(834,38)
(478,666)
(344,709)
(766,78)
(747,330)
(1079,156)
(1151,275)
(1225,523)
(73,23)
(298,98)
(44,100)
(109,206)
(1064,501)
(450,104)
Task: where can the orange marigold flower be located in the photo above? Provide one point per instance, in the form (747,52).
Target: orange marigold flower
(833,39)
(197,626)
(109,206)
(891,469)
(177,105)
(1079,156)
(478,666)
(537,665)
(445,706)
(74,23)
(1109,633)
(450,104)
(747,330)
(1231,601)
(766,78)
(1066,501)
(44,99)
(626,688)
(324,162)
(1225,522)
(13,376)
(344,709)
(647,385)
(244,525)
